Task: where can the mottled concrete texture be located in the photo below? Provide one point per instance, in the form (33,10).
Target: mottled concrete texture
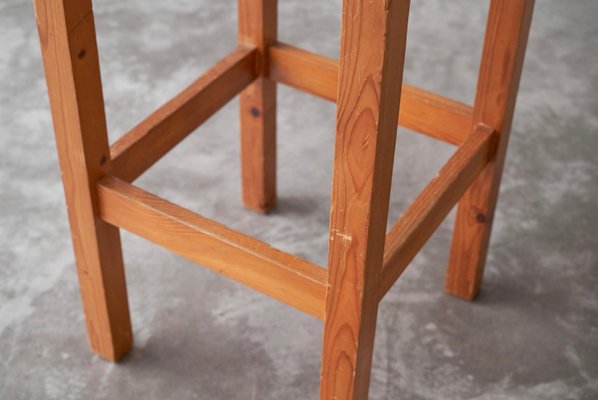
(533,332)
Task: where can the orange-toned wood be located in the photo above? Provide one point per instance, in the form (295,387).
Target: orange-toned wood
(67,37)
(282,276)
(364,261)
(151,139)
(258,27)
(418,223)
(421,111)
(303,70)
(372,56)
(434,115)
(500,71)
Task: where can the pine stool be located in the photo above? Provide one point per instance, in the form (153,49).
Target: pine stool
(364,260)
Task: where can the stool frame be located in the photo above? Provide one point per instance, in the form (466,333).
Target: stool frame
(364,260)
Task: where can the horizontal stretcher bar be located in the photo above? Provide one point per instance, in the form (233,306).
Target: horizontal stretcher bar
(420,110)
(256,264)
(430,208)
(156,135)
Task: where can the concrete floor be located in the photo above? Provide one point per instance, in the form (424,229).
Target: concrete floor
(532,334)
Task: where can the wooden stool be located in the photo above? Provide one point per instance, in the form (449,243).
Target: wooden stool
(364,260)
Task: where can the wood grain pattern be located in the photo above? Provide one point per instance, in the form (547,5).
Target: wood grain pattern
(157,134)
(500,71)
(371,68)
(282,276)
(364,261)
(303,70)
(421,111)
(258,27)
(69,50)
(408,235)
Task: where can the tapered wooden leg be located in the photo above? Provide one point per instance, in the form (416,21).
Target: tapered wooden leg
(67,36)
(502,61)
(371,68)
(258,27)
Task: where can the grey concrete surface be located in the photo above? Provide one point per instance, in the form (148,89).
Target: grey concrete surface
(533,332)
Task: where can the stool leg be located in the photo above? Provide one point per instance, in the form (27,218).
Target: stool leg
(502,61)
(258,27)
(68,42)
(371,68)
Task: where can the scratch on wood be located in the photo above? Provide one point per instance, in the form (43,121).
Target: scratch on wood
(344,236)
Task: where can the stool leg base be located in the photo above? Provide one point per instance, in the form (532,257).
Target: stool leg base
(498,82)
(370,78)
(258,27)
(258,145)
(69,50)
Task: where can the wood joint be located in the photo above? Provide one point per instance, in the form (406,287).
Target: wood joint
(422,111)
(256,264)
(407,236)
(162,130)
